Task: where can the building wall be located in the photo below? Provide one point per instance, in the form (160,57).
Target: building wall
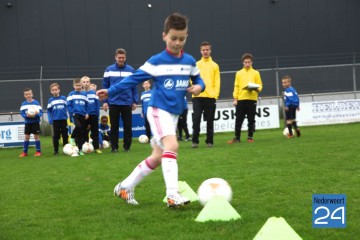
(72,33)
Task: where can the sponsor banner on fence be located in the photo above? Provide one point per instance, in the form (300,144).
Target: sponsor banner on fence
(267,116)
(12,134)
(329,112)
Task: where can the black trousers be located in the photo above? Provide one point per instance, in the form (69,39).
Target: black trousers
(60,128)
(147,128)
(93,122)
(208,106)
(115,111)
(80,130)
(182,124)
(245,108)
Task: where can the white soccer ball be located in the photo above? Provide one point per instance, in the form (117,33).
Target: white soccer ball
(32,111)
(286,132)
(87,148)
(105,144)
(68,149)
(143,139)
(214,187)
(75,150)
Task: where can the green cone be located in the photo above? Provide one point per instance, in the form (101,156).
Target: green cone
(186,191)
(276,229)
(217,209)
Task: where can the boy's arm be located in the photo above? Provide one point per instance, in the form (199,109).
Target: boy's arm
(135,95)
(236,90)
(49,112)
(129,82)
(23,111)
(258,81)
(69,105)
(217,82)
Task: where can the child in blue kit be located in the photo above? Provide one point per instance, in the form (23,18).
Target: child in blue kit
(57,116)
(31,111)
(171,71)
(145,98)
(93,111)
(77,105)
(292,104)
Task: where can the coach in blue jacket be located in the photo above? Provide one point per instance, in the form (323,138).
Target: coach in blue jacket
(120,104)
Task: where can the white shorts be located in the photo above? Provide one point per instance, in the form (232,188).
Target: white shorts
(162,123)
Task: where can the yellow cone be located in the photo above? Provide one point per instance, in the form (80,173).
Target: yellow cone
(276,229)
(217,209)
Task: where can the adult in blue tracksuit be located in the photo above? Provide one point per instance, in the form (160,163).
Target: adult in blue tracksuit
(120,104)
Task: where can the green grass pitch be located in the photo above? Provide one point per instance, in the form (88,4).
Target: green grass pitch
(60,197)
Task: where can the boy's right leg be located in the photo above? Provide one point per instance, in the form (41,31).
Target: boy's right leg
(239,119)
(125,189)
(64,132)
(56,136)
(198,109)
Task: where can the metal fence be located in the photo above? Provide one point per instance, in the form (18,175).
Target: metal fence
(341,74)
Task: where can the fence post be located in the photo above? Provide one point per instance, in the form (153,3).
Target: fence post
(354,72)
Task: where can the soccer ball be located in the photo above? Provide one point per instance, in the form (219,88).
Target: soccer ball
(105,144)
(32,111)
(87,148)
(286,132)
(143,139)
(214,187)
(68,149)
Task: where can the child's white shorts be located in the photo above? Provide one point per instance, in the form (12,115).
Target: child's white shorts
(162,123)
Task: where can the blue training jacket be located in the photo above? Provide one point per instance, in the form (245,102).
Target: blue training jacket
(291,97)
(77,103)
(33,104)
(114,74)
(94,103)
(171,76)
(56,109)
(145,98)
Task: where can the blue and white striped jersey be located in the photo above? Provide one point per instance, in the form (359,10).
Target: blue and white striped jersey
(56,109)
(77,103)
(114,74)
(33,104)
(145,99)
(171,76)
(94,103)
(291,97)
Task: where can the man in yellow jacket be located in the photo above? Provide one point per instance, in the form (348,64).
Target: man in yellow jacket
(206,101)
(247,86)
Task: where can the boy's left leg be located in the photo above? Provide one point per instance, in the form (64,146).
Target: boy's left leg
(56,136)
(251,110)
(94,127)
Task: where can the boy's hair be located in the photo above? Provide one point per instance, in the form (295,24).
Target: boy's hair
(76,80)
(175,21)
(247,56)
(27,89)
(120,51)
(54,85)
(205,43)
(147,81)
(103,117)
(85,77)
(288,77)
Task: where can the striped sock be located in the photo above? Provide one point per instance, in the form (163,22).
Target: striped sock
(138,174)
(170,172)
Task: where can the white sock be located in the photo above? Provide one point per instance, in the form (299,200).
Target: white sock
(170,171)
(138,174)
